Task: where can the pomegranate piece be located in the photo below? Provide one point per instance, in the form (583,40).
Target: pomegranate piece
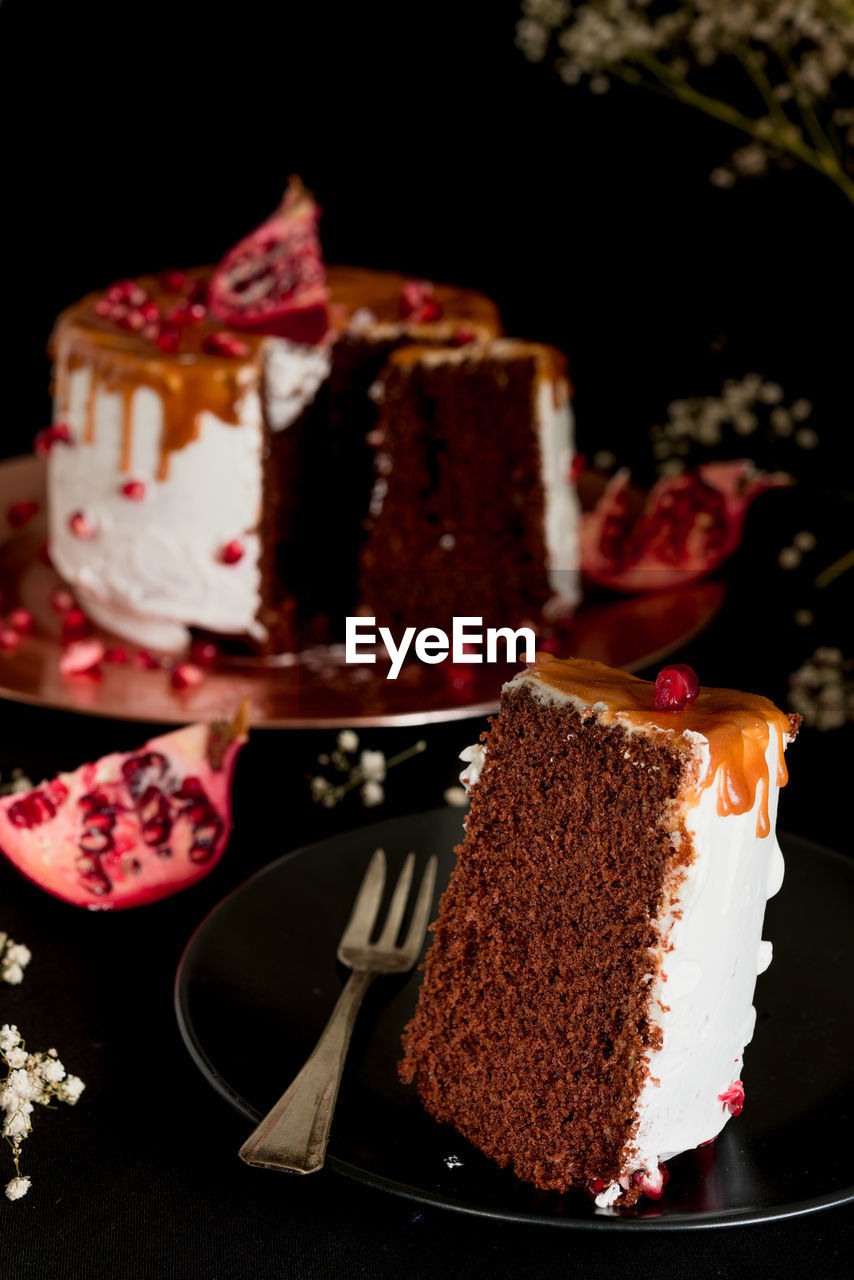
(134,489)
(675,687)
(75,624)
(116,657)
(130,828)
(689,525)
(168,339)
(61,599)
(9,639)
(145,661)
(21,513)
(59,433)
(418,302)
(733,1098)
(22,621)
(274,281)
(652,1181)
(172,281)
(204,653)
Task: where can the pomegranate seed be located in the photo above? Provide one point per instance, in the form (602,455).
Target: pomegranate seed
(225,344)
(168,339)
(462,337)
(103,308)
(232,552)
(21,513)
(733,1098)
(150,332)
(9,639)
(196,312)
(59,433)
(652,1181)
(81,657)
(135,321)
(126,292)
(61,600)
(199,292)
(80,526)
(145,661)
(21,620)
(577,467)
(150,312)
(417,302)
(134,489)
(74,625)
(172,281)
(675,687)
(204,653)
(116,657)
(186,675)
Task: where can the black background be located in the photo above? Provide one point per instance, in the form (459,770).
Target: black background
(140,136)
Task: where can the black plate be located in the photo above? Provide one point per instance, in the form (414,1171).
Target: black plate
(259,979)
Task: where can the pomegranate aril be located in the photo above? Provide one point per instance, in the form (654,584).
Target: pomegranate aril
(150,312)
(172,281)
(675,687)
(59,433)
(82,657)
(418,303)
(116,657)
(186,675)
(75,624)
(190,789)
(145,661)
(32,810)
(168,339)
(21,620)
(9,639)
(21,513)
(61,600)
(227,344)
(733,1098)
(232,552)
(81,526)
(134,489)
(93,875)
(95,840)
(204,652)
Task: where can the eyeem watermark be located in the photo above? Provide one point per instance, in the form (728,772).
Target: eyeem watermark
(432,644)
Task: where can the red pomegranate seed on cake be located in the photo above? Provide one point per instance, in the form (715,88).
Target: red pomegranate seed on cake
(417,302)
(59,433)
(232,552)
(134,489)
(168,339)
(227,344)
(186,675)
(82,657)
(9,639)
(61,600)
(462,337)
(675,687)
(196,312)
(116,657)
(733,1098)
(103,308)
(135,320)
(21,620)
(172,281)
(150,312)
(81,526)
(21,513)
(652,1181)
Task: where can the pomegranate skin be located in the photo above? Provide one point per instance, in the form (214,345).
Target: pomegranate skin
(130,828)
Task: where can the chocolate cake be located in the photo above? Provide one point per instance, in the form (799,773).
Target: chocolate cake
(211,465)
(587,995)
(472,510)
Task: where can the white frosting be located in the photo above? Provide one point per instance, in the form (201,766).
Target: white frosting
(562,512)
(473,757)
(154,567)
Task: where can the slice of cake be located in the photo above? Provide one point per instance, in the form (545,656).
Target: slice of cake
(587,996)
(472,510)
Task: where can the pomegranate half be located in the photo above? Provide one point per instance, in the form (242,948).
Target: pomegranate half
(132,827)
(274,281)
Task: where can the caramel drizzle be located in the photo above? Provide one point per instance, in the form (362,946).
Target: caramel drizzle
(118,363)
(737,727)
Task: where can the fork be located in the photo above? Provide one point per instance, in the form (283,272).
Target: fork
(294,1133)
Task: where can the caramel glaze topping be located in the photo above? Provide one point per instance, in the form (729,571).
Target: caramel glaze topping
(192,381)
(737,726)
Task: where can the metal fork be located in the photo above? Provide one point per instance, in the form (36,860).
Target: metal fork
(294,1133)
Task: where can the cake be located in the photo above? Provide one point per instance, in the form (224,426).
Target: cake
(588,992)
(469,505)
(212,464)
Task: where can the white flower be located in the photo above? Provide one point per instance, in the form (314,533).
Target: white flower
(16,1057)
(9,1037)
(70,1089)
(53,1070)
(16,1188)
(18,1123)
(17,953)
(24,1084)
(348,740)
(455,796)
(372,794)
(372,765)
(12,973)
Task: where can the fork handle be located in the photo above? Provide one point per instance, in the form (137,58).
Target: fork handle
(294,1133)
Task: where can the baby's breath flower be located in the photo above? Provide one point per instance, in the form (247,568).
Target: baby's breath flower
(14,958)
(372,765)
(348,741)
(372,794)
(16,1188)
(455,797)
